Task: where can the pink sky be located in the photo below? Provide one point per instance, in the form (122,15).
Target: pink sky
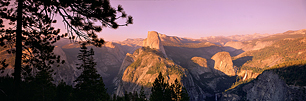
(201,18)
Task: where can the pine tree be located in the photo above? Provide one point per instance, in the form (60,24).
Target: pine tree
(158,89)
(32,16)
(142,96)
(184,95)
(126,96)
(179,92)
(90,86)
(162,91)
(176,87)
(63,92)
(42,87)
(114,97)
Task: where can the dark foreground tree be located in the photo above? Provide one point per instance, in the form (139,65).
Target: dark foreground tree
(90,86)
(83,18)
(184,95)
(159,89)
(40,88)
(162,91)
(130,96)
(63,92)
(142,96)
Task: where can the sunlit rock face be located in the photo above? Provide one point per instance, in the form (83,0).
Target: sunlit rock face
(224,63)
(153,41)
(141,68)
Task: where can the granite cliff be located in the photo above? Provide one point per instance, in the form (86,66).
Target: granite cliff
(197,74)
(224,63)
(207,67)
(268,86)
(153,41)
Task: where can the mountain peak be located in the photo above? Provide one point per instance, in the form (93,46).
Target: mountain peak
(153,41)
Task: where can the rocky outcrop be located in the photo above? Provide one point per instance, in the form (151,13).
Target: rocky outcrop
(268,86)
(109,58)
(247,74)
(59,51)
(143,66)
(224,63)
(198,66)
(153,41)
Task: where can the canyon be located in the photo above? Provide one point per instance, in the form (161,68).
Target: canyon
(207,67)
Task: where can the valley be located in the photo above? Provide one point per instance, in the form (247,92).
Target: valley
(228,68)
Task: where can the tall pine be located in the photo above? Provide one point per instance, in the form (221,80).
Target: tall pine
(162,91)
(80,18)
(159,88)
(90,86)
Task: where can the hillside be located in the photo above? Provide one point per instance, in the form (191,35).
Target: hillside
(279,52)
(207,67)
(146,65)
(259,43)
(284,82)
(193,66)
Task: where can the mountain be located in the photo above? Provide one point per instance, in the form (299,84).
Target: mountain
(259,43)
(109,58)
(142,67)
(227,68)
(153,41)
(222,40)
(210,65)
(197,74)
(281,83)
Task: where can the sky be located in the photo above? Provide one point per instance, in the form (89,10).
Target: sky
(202,18)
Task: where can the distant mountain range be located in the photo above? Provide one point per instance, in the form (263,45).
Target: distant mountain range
(206,66)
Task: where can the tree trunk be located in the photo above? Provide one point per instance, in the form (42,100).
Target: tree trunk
(17,72)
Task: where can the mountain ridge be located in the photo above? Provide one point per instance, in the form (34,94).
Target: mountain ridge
(209,65)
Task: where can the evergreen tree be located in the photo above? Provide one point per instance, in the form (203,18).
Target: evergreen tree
(160,90)
(42,88)
(184,95)
(32,16)
(90,86)
(142,96)
(6,88)
(114,97)
(176,87)
(63,92)
(179,92)
(126,96)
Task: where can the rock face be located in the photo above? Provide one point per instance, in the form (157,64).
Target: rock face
(247,74)
(153,41)
(198,66)
(267,87)
(141,69)
(109,58)
(224,63)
